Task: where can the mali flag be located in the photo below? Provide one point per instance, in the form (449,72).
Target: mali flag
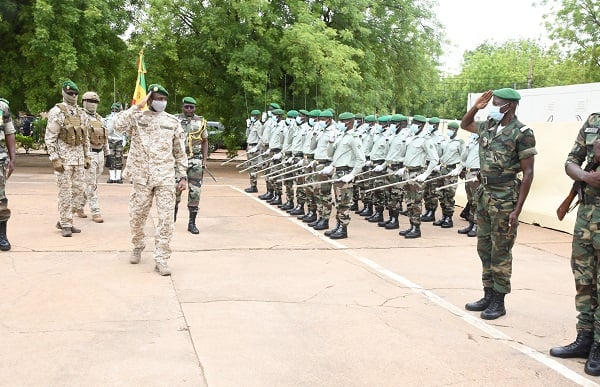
(140,85)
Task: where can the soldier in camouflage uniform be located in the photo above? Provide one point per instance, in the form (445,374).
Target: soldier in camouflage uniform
(506,148)
(298,152)
(470,163)
(292,151)
(377,154)
(157,158)
(97,133)
(366,134)
(253,133)
(269,124)
(196,146)
(322,191)
(430,196)
(585,247)
(7,166)
(116,142)
(68,147)
(309,167)
(348,160)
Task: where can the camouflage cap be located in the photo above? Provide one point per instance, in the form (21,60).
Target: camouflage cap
(156,88)
(70,85)
(189,100)
(90,95)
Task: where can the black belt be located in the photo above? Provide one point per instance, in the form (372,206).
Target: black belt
(343,169)
(309,157)
(322,162)
(253,144)
(378,161)
(411,169)
(298,154)
(288,153)
(449,165)
(490,180)
(97,150)
(276,150)
(396,165)
(472,169)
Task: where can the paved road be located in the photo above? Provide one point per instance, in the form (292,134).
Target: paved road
(259,299)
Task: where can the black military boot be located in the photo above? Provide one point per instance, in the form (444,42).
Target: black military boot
(287,205)
(465,212)
(367,211)
(298,210)
(192,222)
(354,206)
(341,233)
(275,200)
(447,222)
(415,232)
(322,224)
(302,217)
(466,229)
(312,216)
(496,309)
(439,221)
(359,210)
(404,232)
(592,365)
(175,212)
(314,222)
(429,216)
(393,223)
(579,348)
(251,189)
(266,196)
(4,243)
(473,232)
(481,304)
(384,222)
(377,216)
(338,225)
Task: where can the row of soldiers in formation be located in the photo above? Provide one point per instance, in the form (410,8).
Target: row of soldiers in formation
(380,161)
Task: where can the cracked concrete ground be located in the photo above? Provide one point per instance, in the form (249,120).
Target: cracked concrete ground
(259,299)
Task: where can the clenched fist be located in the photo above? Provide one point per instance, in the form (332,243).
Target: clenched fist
(58,165)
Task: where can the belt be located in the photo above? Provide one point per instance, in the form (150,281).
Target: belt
(322,162)
(288,153)
(309,157)
(395,165)
(97,150)
(378,161)
(448,165)
(253,144)
(491,180)
(343,169)
(298,154)
(411,169)
(472,170)
(276,150)
(589,199)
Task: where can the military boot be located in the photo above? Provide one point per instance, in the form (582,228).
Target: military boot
(367,211)
(439,221)
(354,206)
(393,223)
(592,365)
(136,255)
(251,189)
(341,233)
(481,304)
(466,229)
(579,348)
(266,196)
(275,201)
(338,225)
(312,216)
(447,222)
(162,268)
(4,243)
(298,210)
(175,212)
(473,232)
(377,216)
(465,212)
(404,232)
(429,216)
(192,221)
(415,232)
(359,210)
(302,217)
(384,222)
(315,222)
(287,205)
(323,224)
(496,309)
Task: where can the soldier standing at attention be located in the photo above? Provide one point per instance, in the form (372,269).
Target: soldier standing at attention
(7,165)
(253,133)
(470,162)
(348,160)
(97,133)
(196,146)
(116,142)
(68,147)
(584,255)
(430,196)
(506,147)
(320,144)
(157,158)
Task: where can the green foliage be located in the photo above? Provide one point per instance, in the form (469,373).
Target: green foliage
(25,142)
(232,143)
(39,129)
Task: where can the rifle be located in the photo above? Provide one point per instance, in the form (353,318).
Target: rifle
(576,190)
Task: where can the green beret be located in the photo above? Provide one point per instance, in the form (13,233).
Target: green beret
(453,125)
(278,112)
(255,112)
(314,113)
(304,112)
(189,100)
(398,118)
(359,115)
(370,118)
(434,120)
(5,101)
(346,116)
(385,118)
(292,113)
(326,113)
(275,105)
(70,85)
(156,88)
(331,110)
(115,105)
(508,94)
(419,118)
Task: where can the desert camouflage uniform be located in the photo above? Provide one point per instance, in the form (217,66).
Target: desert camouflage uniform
(156,157)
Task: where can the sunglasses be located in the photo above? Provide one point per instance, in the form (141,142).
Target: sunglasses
(91,101)
(189,106)
(72,93)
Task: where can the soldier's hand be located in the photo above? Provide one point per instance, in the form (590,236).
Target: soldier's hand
(483,100)
(87,163)
(347,178)
(399,172)
(421,178)
(455,172)
(182,185)
(379,168)
(327,171)
(593,179)
(58,165)
(10,167)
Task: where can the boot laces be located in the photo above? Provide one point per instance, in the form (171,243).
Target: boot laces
(595,352)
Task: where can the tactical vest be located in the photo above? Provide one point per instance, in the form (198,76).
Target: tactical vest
(96,132)
(72,131)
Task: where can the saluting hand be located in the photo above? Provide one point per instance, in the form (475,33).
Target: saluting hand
(484,99)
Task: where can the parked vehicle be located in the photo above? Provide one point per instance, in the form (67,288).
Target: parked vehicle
(216,132)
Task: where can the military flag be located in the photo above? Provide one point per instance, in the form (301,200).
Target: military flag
(140,86)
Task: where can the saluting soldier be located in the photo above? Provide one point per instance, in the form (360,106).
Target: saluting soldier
(253,133)
(7,166)
(196,146)
(348,160)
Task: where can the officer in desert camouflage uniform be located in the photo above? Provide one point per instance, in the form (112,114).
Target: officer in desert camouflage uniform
(506,148)
(196,146)
(116,142)
(7,166)
(156,158)
(68,145)
(97,133)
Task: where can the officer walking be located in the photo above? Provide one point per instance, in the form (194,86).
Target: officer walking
(7,166)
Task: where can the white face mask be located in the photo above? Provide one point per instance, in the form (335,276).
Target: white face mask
(393,127)
(299,120)
(159,106)
(288,121)
(269,113)
(274,118)
(322,124)
(341,126)
(252,119)
(90,107)
(451,133)
(414,128)
(311,121)
(495,114)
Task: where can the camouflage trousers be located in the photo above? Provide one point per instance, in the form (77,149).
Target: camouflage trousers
(494,243)
(343,198)
(140,203)
(252,174)
(194,174)
(305,195)
(585,256)
(4,210)
(430,195)
(378,197)
(91,176)
(446,195)
(323,198)
(414,196)
(116,155)
(470,189)
(393,194)
(70,192)
(275,183)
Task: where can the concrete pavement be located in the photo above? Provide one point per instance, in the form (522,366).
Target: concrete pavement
(259,299)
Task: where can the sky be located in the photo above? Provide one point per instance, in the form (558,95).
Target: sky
(470,22)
